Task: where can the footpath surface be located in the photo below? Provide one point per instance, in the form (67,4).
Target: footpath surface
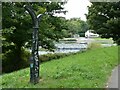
(114,80)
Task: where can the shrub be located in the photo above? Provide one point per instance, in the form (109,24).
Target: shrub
(48,57)
(10,62)
(118,41)
(94,45)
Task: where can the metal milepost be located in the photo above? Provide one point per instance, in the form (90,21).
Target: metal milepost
(34,59)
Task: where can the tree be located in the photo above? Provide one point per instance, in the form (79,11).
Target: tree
(104,17)
(76,26)
(15,31)
(17,28)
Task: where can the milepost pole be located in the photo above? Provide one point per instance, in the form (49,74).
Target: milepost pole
(34,59)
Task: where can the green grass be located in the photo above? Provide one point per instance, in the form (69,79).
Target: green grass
(89,69)
(104,40)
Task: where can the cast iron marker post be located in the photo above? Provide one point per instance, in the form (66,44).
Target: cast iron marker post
(34,59)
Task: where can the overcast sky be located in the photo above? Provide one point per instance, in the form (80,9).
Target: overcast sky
(76,8)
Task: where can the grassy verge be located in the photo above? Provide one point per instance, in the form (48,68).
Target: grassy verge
(103,38)
(90,69)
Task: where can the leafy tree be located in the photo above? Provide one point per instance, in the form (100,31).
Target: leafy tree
(104,17)
(17,28)
(76,26)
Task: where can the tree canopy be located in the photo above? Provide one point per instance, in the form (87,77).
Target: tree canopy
(16,18)
(104,17)
(76,26)
(17,28)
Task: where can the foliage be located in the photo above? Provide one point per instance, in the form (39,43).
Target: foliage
(14,15)
(11,63)
(48,57)
(90,69)
(17,28)
(104,17)
(76,26)
(50,32)
(94,45)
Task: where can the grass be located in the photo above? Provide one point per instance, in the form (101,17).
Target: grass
(89,69)
(103,38)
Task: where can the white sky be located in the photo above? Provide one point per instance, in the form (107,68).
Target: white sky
(76,8)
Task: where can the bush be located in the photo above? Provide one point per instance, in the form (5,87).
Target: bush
(94,45)
(118,41)
(48,57)
(10,62)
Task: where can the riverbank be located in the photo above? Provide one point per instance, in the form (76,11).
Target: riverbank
(84,70)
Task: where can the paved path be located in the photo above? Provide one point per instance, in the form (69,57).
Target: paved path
(113,81)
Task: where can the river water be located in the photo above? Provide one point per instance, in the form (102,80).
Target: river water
(70,48)
(80,45)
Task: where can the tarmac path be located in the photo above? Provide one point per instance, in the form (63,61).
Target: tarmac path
(114,79)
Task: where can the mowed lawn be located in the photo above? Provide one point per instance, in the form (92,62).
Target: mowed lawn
(90,69)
